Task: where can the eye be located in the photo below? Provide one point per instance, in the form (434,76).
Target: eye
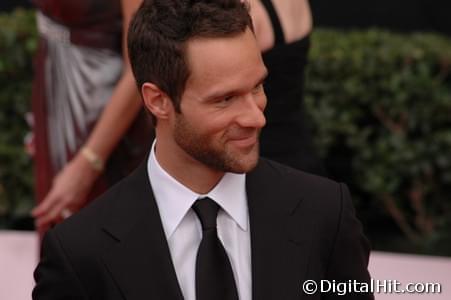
(225,99)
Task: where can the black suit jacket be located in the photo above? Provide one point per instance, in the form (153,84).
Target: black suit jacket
(302,228)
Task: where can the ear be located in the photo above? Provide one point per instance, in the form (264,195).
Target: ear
(156,101)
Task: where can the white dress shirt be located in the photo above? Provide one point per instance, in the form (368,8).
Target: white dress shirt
(184,232)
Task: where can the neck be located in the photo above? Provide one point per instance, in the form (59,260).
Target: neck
(185,169)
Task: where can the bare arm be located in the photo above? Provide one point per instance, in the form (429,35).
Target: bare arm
(124,104)
(75,180)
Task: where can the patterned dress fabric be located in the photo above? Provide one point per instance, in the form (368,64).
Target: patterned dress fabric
(77,66)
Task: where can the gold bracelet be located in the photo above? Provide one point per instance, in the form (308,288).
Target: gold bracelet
(94,160)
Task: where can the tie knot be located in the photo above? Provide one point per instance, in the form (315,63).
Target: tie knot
(207,211)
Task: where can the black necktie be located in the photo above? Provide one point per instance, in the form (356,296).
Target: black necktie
(214,276)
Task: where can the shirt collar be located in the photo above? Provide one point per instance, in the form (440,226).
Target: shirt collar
(174,199)
(230,194)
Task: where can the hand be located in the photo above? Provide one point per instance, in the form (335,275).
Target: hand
(68,193)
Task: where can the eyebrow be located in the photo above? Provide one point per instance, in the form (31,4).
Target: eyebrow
(217,94)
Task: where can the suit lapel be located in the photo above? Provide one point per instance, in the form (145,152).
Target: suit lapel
(279,234)
(140,262)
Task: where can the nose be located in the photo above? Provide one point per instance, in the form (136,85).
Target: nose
(251,114)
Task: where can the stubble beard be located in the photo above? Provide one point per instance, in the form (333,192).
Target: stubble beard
(201,149)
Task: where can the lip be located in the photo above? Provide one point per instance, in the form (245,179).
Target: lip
(245,142)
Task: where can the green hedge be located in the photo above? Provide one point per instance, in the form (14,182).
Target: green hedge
(380,109)
(17,45)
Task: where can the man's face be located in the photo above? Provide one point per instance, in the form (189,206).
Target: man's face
(223,103)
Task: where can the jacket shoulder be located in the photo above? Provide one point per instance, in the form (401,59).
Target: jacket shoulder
(118,204)
(295,179)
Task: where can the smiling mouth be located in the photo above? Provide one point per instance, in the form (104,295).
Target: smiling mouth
(245,142)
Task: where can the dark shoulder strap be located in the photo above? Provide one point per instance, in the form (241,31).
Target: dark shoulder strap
(277,28)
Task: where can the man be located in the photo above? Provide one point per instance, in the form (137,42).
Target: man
(204,217)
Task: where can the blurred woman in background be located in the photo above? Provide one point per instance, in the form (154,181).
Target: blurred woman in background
(282,28)
(89,126)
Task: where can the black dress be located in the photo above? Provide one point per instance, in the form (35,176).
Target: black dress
(286,138)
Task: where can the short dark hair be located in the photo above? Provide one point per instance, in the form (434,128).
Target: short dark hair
(160,29)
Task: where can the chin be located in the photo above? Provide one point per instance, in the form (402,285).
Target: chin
(244,164)
(249,166)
